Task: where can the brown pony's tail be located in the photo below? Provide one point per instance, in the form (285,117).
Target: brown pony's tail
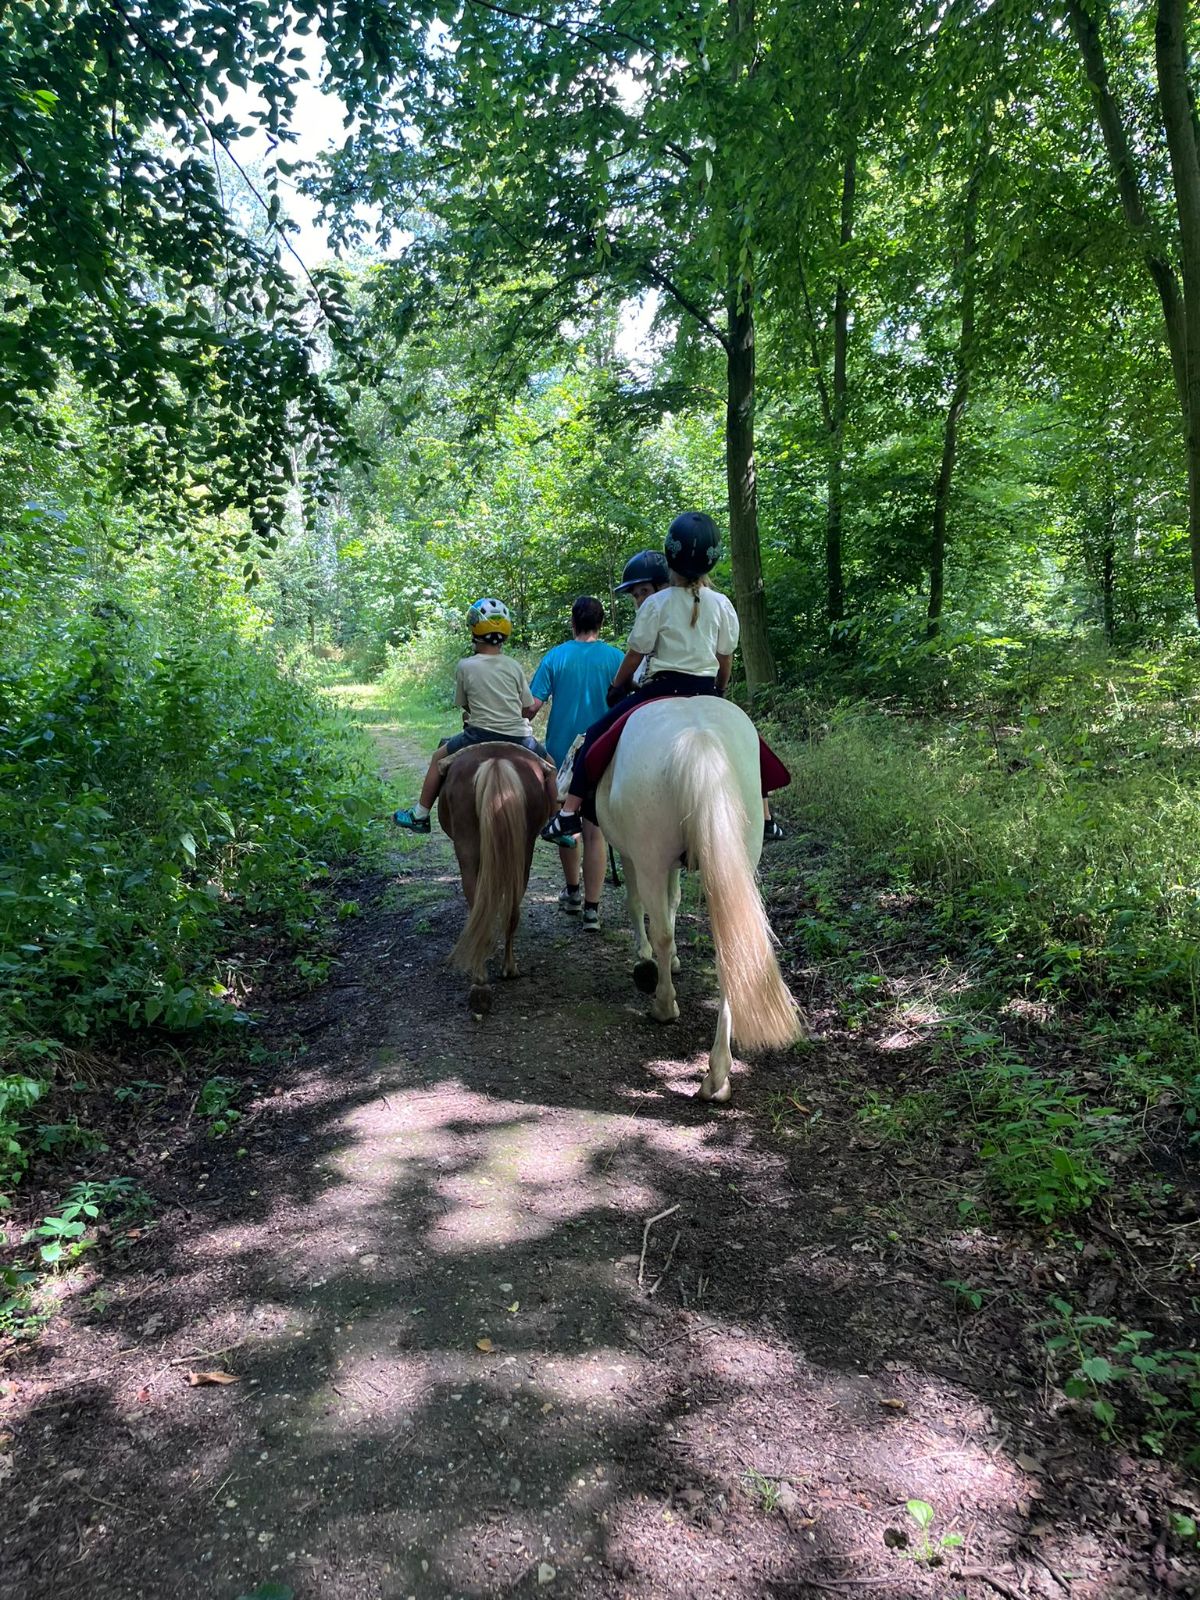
(714,828)
(500,818)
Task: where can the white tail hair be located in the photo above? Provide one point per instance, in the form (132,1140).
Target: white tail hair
(500,813)
(765,1016)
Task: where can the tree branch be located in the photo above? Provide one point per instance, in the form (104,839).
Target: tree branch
(661,281)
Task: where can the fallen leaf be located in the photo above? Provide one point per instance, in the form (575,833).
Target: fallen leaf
(1029,1463)
(894,1405)
(144,1394)
(195,1379)
(153,1324)
(546,1573)
(516,1306)
(485,1345)
(895,1538)
(547,1407)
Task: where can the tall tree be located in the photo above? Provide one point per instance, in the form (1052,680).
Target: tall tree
(574,160)
(1133,157)
(122,262)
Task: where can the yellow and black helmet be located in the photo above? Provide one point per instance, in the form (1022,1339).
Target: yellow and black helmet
(489,620)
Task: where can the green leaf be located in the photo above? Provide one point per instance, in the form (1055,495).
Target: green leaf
(269,1591)
(1099,1369)
(921,1512)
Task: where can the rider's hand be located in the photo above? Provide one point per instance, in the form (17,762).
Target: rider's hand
(614,694)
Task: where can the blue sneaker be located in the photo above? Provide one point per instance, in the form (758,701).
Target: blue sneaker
(415,824)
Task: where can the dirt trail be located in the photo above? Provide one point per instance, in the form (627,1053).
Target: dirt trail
(424,1273)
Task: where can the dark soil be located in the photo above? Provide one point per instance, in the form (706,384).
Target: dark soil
(458,1375)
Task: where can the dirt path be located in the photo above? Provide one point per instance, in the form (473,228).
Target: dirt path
(424,1273)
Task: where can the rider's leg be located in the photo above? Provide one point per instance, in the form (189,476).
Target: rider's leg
(771,829)
(594,863)
(433,781)
(418,817)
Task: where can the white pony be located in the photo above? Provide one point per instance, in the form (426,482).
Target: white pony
(685,782)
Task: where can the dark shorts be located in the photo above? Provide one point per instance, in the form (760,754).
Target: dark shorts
(470,736)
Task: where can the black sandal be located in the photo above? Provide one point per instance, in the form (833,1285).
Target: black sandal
(563,828)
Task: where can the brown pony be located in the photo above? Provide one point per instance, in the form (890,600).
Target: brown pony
(494,800)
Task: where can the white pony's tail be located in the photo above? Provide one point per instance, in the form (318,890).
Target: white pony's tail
(764,1014)
(501,817)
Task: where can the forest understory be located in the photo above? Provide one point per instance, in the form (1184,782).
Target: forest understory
(397,1326)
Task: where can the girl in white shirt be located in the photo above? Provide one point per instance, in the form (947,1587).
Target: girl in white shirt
(687,632)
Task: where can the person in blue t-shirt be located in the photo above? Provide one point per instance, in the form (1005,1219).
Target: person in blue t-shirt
(574,677)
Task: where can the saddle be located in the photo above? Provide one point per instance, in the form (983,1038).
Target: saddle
(774,774)
(495,747)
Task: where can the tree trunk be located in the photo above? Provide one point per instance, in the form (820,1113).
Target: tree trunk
(1129,187)
(744,549)
(1108,564)
(743,491)
(958,398)
(1174,90)
(836,595)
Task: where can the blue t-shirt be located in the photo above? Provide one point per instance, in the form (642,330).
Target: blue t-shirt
(574,677)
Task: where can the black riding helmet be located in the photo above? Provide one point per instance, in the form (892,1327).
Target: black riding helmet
(693,544)
(648,566)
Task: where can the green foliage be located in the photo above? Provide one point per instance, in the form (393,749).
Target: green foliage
(18,1095)
(126,263)
(18,1317)
(64,1232)
(927,1549)
(1061,842)
(1129,1380)
(215,1101)
(167,795)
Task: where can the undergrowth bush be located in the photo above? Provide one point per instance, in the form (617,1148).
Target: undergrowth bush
(1064,843)
(164,791)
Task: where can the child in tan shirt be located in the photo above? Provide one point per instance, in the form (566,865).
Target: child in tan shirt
(493,693)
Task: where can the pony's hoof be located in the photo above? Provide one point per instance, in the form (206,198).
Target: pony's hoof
(674,963)
(479,1001)
(717,1096)
(672,1015)
(645,976)
(511,972)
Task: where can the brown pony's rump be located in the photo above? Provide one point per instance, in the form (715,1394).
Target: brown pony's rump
(494,800)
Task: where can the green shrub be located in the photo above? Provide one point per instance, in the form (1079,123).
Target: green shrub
(167,794)
(1065,848)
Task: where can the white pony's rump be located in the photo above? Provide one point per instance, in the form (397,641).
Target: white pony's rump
(685,779)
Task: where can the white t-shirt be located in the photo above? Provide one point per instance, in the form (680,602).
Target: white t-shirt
(663,629)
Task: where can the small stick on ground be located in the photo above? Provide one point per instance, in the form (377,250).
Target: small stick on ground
(981,1575)
(666,1265)
(657,1217)
(206,1355)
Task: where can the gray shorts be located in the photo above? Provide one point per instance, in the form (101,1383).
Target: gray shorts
(471,735)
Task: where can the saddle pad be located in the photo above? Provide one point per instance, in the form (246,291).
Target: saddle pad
(774,774)
(495,747)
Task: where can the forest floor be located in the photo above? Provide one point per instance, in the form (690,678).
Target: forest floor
(461,1367)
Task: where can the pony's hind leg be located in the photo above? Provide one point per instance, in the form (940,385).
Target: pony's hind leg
(662,941)
(510,968)
(673,893)
(715,1084)
(637,912)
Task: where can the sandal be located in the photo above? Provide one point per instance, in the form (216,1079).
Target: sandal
(406,819)
(772,831)
(563,828)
